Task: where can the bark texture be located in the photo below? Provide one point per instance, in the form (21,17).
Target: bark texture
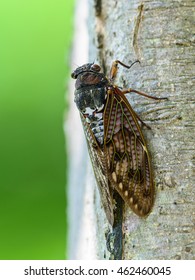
(161,34)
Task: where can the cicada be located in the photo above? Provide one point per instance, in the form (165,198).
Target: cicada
(115,141)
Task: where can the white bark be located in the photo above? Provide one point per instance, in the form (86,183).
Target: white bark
(81,235)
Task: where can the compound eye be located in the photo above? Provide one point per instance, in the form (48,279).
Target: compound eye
(73,75)
(95,67)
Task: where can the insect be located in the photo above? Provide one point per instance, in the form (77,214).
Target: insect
(116,144)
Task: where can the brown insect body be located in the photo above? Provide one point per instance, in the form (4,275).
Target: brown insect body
(115,141)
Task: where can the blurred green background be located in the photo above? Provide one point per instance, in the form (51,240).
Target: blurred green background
(35,38)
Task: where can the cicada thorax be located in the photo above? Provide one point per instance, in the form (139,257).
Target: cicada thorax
(90,98)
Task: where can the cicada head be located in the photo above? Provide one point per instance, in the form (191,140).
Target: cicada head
(91,87)
(85,68)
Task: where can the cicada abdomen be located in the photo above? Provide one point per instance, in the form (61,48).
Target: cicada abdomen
(116,145)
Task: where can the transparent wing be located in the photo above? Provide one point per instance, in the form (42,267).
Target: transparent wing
(128,161)
(98,160)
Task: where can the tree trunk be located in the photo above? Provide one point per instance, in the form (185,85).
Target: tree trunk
(160,35)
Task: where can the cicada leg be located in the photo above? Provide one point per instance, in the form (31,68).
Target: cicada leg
(128,90)
(113,73)
(114,68)
(124,91)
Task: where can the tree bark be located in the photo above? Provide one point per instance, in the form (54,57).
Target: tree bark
(161,35)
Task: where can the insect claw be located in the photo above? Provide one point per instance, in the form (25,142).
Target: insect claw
(163,98)
(146,125)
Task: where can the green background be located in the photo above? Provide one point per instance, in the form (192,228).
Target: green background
(35,40)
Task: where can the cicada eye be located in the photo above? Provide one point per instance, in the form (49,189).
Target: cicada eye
(73,75)
(95,67)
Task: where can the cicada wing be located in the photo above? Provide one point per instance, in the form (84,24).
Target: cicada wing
(128,161)
(98,159)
